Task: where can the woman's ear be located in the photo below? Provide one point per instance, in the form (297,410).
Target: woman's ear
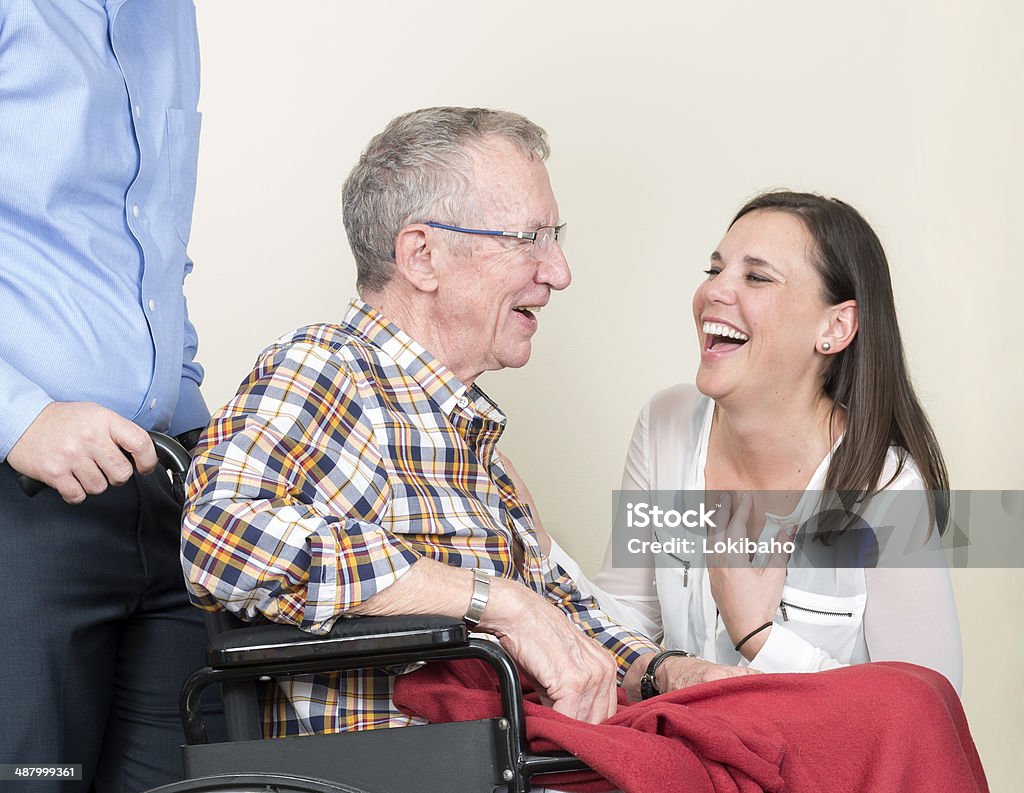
(841,328)
(417,258)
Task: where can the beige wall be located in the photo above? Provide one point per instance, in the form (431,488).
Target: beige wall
(663,117)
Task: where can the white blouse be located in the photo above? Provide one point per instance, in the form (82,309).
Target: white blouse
(829,617)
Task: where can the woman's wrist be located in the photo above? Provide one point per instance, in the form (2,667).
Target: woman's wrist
(750,644)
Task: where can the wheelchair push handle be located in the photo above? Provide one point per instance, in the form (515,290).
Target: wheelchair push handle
(171,454)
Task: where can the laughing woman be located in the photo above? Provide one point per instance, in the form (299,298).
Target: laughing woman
(802,388)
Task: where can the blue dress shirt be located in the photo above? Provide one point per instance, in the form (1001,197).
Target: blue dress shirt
(99,139)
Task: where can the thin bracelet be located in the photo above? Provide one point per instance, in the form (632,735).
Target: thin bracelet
(752,634)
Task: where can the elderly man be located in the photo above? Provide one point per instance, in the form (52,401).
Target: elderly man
(355,471)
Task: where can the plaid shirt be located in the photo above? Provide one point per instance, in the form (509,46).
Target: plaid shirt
(349,453)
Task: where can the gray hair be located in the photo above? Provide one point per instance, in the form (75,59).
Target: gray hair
(419,169)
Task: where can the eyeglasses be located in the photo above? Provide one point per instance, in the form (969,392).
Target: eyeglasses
(542,239)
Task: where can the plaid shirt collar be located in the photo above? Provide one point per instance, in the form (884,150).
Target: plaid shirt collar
(438,382)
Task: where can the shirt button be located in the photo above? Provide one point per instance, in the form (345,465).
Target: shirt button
(152,403)
(138,111)
(135,211)
(463,402)
(152,304)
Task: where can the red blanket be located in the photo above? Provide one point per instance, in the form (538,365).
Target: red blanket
(888,727)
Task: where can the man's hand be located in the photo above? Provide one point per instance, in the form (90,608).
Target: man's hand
(575,672)
(678,671)
(80,448)
(681,672)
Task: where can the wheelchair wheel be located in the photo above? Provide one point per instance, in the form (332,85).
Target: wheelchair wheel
(257,783)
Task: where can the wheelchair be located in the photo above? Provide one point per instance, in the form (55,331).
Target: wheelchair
(481,755)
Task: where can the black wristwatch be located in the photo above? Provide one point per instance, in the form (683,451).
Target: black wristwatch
(648,688)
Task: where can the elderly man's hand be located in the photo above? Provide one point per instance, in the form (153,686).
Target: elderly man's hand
(681,672)
(677,671)
(576,674)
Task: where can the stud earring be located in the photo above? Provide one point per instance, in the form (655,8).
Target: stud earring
(826,346)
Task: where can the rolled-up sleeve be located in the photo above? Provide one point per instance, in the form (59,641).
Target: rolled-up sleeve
(286,497)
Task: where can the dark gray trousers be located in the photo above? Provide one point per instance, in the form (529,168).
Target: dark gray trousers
(96,635)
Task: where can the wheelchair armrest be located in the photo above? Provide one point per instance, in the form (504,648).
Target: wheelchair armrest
(349,638)
(238,656)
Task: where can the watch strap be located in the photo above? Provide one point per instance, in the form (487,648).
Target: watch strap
(477,604)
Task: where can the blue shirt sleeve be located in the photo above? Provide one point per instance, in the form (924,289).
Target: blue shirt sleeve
(99,138)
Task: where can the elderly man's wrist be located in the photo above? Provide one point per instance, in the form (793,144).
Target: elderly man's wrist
(510,608)
(478,600)
(654,680)
(505,610)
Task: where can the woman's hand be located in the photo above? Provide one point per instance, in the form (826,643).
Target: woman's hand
(747,597)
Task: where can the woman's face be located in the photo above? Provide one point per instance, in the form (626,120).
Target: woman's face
(760,313)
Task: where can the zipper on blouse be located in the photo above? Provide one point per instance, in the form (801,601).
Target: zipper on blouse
(783,605)
(686,573)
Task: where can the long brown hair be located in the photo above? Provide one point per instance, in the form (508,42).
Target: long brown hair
(869,378)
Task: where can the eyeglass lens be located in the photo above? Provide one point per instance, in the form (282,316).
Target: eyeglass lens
(548,236)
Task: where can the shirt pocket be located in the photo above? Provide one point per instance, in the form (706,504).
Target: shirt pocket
(814,608)
(183,160)
(835,623)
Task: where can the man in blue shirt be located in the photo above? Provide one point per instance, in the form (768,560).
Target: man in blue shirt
(98,149)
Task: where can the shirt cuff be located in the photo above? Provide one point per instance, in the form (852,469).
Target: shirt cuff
(22,401)
(784,651)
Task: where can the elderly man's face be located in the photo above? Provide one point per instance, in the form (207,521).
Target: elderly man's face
(495,288)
